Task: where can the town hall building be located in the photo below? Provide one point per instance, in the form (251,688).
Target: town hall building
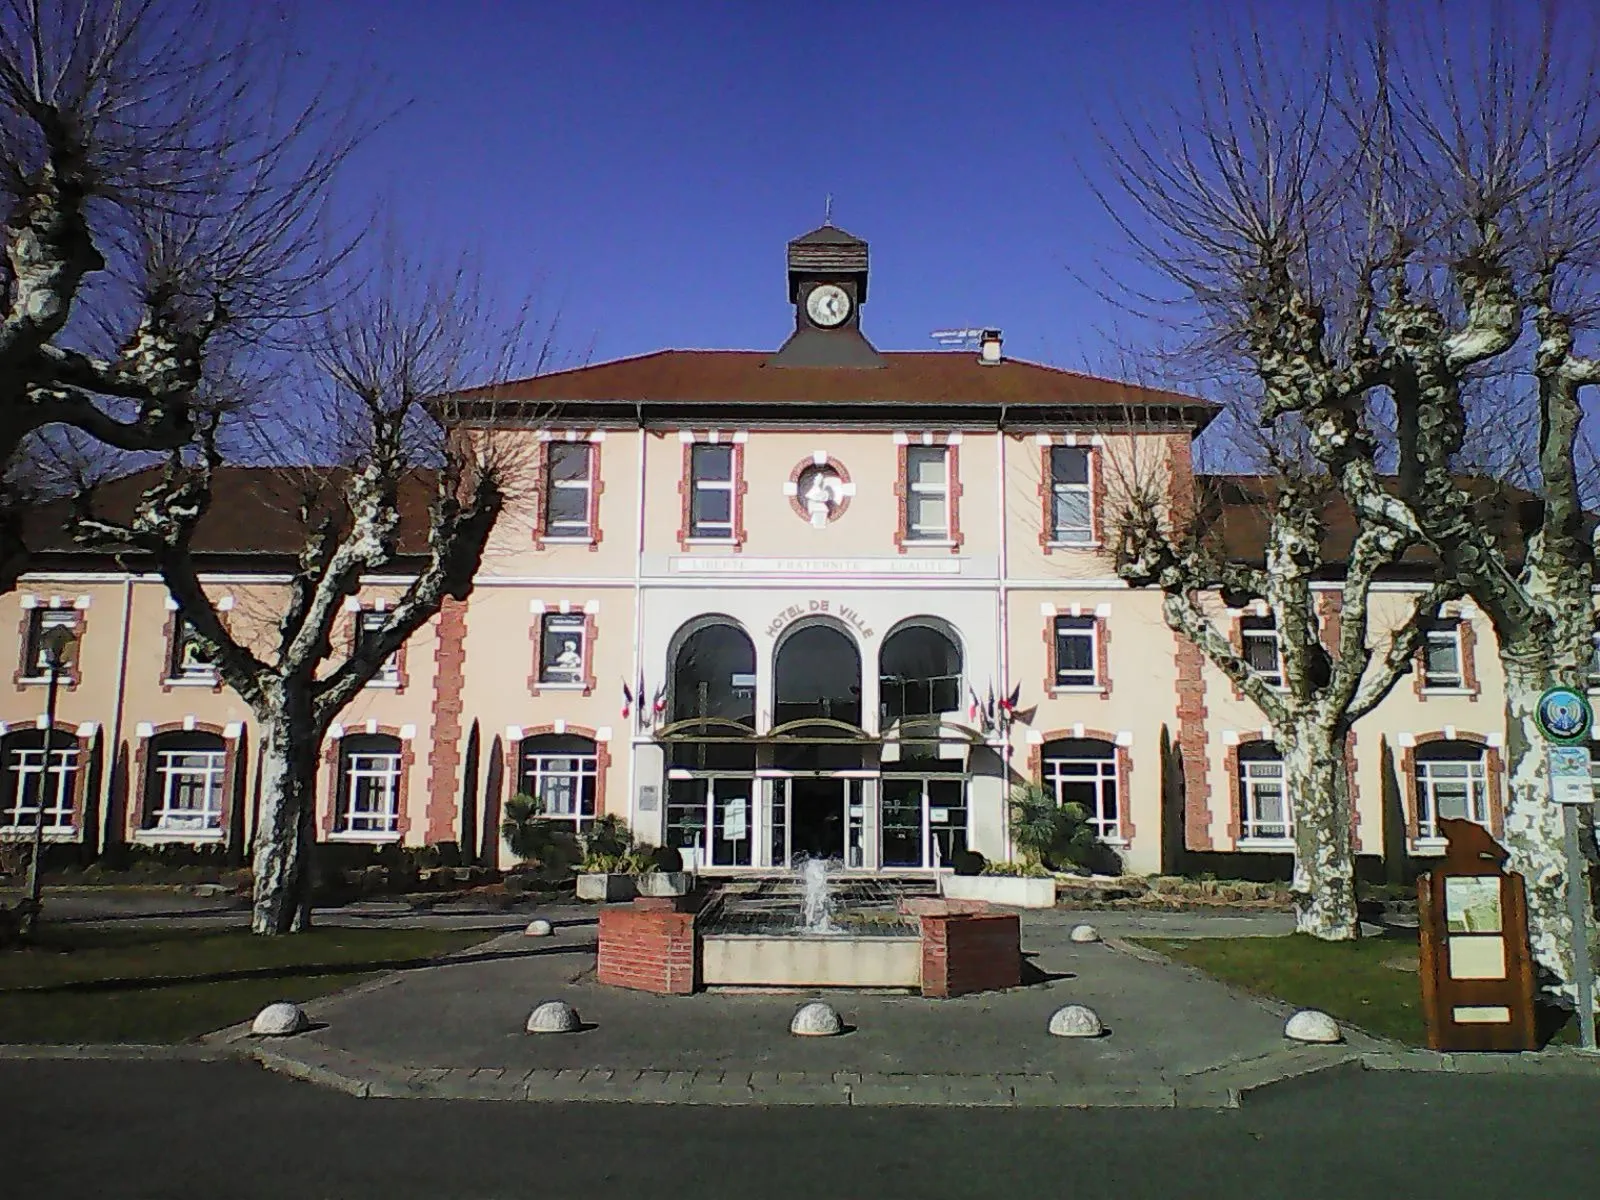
(822,599)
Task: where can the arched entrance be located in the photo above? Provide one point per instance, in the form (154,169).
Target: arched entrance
(817,809)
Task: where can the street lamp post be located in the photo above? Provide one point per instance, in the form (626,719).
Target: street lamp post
(55,643)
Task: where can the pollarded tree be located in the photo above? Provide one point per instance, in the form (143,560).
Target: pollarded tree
(161,195)
(1327,677)
(382,390)
(1361,236)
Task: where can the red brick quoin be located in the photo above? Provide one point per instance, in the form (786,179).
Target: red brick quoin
(649,946)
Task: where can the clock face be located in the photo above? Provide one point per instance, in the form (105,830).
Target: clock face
(828,305)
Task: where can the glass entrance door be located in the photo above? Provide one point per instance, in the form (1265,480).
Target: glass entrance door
(923,822)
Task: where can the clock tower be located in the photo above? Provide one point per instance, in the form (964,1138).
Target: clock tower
(827,286)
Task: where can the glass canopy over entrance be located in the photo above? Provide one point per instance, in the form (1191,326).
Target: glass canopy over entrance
(816,782)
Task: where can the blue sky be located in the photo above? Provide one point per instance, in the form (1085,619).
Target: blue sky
(639,166)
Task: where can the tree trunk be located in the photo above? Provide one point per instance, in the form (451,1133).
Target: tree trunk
(1534,832)
(286,830)
(1316,779)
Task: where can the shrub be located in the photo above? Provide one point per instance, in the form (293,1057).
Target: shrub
(1022,870)
(968,862)
(1047,833)
(601,864)
(526,834)
(667,858)
(608,835)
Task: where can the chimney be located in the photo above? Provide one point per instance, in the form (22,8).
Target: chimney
(989,347)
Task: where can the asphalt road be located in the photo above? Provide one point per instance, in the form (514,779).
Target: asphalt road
(228,1130)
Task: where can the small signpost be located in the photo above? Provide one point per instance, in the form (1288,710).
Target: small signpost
(1476,969)
(1565,718)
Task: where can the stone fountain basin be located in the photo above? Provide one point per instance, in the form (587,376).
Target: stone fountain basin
(811,960)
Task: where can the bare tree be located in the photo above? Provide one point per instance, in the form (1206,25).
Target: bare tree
(384,390)
(162,194)
(1364,234)
(1332,664)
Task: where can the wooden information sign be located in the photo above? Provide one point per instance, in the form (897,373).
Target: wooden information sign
(1477,973)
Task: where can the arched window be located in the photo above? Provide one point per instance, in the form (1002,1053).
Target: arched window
(714,675)
(1452,780)
(28,790)
(919,673)
(1084,771)
(563,770)
(369,784)
(817,674)
(1266,813)
(183,782)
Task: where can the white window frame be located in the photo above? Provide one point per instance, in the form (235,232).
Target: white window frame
(714,531)
(171,819)
(27,762)
(388,675)
(1107,826)
(1594,663)
(916,492)
(565,531)
(1060,535)
(384,768)
(572,766)
(1247,634)
(1258,776)
(1445,632)
(40,621)
(1077,626)
(177,670)
(573,624)
(1427,789)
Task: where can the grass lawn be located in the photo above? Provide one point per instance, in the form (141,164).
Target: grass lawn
(169,985)
(1347,980)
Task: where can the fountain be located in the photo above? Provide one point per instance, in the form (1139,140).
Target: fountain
(816,901)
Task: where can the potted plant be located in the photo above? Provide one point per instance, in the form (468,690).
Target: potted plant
(1039,828)
(661,873)
(605,877)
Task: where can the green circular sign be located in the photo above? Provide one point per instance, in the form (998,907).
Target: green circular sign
(1563,715)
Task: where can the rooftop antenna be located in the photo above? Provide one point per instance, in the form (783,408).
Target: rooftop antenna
(958,339)
(827,210)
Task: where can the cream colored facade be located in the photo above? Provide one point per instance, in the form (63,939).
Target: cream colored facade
(827,601)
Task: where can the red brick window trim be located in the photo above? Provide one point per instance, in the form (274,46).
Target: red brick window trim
(19,736)
(175,736)
(1488,754)
(173,673)
(546,485)
(569,619)
(513,760)
(339,822)
(907,444)
(1094,485)
(1121,756)
(392,676)
(1451,631)
(1097,622)
(739,489)
(38,614)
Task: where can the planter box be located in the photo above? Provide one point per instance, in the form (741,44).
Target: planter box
(612,886)
(662,883)
(1010,890)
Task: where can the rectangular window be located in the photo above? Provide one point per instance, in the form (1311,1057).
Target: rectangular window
(190,799)
(1070,506)
(1264,808)
(562,638)
(30,793)
(565,782)
(1075,652)
(1594,664)
(1260,638)
(189,657)
(569,485)
(372,793)
(1441,656)
(711,492)
(928,493)
(1091,782)
(369,627)
(40,622)
(1450,789)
